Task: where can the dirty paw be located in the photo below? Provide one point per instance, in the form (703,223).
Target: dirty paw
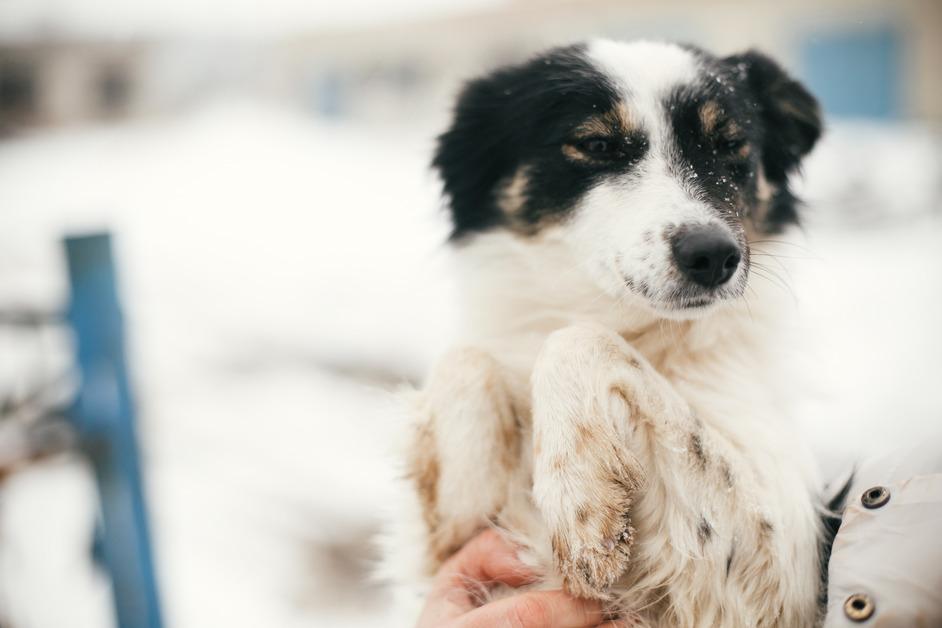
(589,569)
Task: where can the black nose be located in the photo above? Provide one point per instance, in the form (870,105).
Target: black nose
(707,255)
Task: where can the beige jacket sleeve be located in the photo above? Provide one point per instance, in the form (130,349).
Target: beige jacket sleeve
(886,563)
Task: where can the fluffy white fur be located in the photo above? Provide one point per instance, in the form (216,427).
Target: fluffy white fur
(575,402)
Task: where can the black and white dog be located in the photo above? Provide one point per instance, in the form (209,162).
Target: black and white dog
(615,405)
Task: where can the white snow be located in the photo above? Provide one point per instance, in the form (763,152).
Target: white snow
(281,274)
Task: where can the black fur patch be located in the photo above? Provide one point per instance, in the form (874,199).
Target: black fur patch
(762,117)
(713,161)
(522,116)
(696,448)
(704,530)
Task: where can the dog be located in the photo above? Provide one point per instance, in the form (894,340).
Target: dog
(616,404)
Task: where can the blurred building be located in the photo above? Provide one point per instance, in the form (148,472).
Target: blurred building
(863,58)
(46,82)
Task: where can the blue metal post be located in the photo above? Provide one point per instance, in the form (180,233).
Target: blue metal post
(104,418)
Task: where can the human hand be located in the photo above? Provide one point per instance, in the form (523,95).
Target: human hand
(488,560)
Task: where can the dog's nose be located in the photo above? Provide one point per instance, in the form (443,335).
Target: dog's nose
(707,255)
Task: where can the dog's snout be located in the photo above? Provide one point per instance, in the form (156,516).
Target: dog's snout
(707,255)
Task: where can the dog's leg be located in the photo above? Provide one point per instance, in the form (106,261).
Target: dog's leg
(591,392)
(465,449)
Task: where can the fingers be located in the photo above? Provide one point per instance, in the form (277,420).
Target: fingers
(487,558)
(462,581)
(536,609)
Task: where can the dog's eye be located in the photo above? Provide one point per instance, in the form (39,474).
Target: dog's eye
(604,151)
(733,144)
(598,146)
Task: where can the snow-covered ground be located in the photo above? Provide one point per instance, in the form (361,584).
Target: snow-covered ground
(281,276)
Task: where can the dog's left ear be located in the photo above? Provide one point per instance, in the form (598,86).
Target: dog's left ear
(790,114)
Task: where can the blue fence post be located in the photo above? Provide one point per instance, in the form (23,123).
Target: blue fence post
(104,418)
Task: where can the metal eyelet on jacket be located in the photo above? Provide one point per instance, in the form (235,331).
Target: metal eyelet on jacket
(859,607)
(875,497)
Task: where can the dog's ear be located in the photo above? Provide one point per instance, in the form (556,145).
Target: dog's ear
(473,154)
(790,115)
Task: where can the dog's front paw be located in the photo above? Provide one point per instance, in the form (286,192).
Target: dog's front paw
(591,530)
(591,561)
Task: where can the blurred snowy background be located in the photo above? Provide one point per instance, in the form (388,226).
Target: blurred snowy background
(263,167)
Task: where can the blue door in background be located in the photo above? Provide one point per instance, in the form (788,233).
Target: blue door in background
(856,73)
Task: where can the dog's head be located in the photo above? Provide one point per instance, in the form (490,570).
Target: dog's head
(656,164)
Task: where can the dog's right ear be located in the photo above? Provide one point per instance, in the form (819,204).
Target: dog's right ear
(474,153)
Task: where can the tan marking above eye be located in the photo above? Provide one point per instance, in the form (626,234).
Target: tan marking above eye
(593,127)
(712,119)
(709,115)
(615,122)
(621,116)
